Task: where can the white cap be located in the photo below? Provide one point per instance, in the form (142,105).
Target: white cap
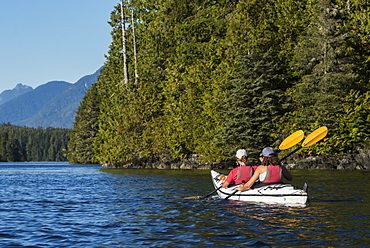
(240,153)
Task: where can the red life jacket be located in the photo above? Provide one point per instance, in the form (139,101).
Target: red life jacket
(274,174)
(244,174)
(240,174)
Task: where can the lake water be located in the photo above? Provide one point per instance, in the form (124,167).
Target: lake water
(65,205)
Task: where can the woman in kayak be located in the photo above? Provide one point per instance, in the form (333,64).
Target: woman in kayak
(270,170)
(242,173)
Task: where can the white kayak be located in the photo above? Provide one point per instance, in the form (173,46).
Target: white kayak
(279,193)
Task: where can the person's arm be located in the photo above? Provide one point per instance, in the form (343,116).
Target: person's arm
(252,180)
(225,184)
(286,173)
(229,179)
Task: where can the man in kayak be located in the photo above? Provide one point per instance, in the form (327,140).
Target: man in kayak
(242,173)
(270,170)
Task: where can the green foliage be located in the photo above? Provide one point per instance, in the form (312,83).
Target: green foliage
(83,134)
(214,76)
(254,104)
(326,68)
(30,144)
(352,134)
(358,24)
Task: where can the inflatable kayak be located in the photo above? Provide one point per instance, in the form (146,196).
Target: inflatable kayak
(277,193)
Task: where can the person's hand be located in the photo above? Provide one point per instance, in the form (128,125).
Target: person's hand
(241,187)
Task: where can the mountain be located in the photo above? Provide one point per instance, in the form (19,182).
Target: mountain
(27,105)
(18,90)
(50,105)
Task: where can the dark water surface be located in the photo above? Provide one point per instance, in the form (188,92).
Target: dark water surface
(64,205)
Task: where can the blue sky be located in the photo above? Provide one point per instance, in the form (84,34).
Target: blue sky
(46,40)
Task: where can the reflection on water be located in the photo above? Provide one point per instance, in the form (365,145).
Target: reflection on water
(298,226)
(62,205)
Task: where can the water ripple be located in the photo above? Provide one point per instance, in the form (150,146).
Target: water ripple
(63,205)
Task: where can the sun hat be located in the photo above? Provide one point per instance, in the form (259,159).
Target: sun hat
(268,152)
(240,153)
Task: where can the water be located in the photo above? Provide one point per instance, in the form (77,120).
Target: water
(64,205)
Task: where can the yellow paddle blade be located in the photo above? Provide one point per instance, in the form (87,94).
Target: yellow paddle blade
(316,136)
(292,140)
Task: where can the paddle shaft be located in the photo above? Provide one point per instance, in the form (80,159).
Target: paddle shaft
(211,193)
(227,197)
(294,151)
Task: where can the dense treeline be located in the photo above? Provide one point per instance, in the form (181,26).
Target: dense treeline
(31,144)
(208,77)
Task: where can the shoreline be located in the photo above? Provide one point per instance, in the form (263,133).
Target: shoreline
(353,162)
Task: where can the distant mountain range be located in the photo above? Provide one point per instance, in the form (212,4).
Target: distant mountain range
(18,90)
(49,105)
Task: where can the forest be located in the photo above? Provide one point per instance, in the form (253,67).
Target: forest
(19,144)
(209,77)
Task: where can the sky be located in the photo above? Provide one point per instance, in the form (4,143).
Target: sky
(47,40)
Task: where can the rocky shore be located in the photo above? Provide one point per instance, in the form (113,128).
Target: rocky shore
(355,162)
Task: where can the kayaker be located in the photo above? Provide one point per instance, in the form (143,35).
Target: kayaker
(242,173)
(270,170)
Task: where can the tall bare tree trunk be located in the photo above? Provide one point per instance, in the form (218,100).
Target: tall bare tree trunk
(124,46)
(134,41)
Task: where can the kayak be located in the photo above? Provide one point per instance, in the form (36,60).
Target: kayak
(276,193)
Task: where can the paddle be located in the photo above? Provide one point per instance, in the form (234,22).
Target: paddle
(311,139)
(211,193)
(203,197)
(290,141)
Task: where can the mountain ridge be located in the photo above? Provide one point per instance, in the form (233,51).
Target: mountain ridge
(18,90)
(49,105)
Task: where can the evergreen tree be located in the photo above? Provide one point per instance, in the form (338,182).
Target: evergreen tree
(111,90)
(127,109)
(254,104)
(326,70)
(30,144)
(84,130)
(358,23)
(352,135)
(193,79)
(228,68)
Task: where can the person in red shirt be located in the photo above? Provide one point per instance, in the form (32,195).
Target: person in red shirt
(242,173)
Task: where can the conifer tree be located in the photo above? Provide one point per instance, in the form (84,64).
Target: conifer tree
(352,135)
(85,129)
(128,110)
(193,80)
(30,144)
(326,70)
(111,90)
(225,67)
(358,23)
(254,104)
